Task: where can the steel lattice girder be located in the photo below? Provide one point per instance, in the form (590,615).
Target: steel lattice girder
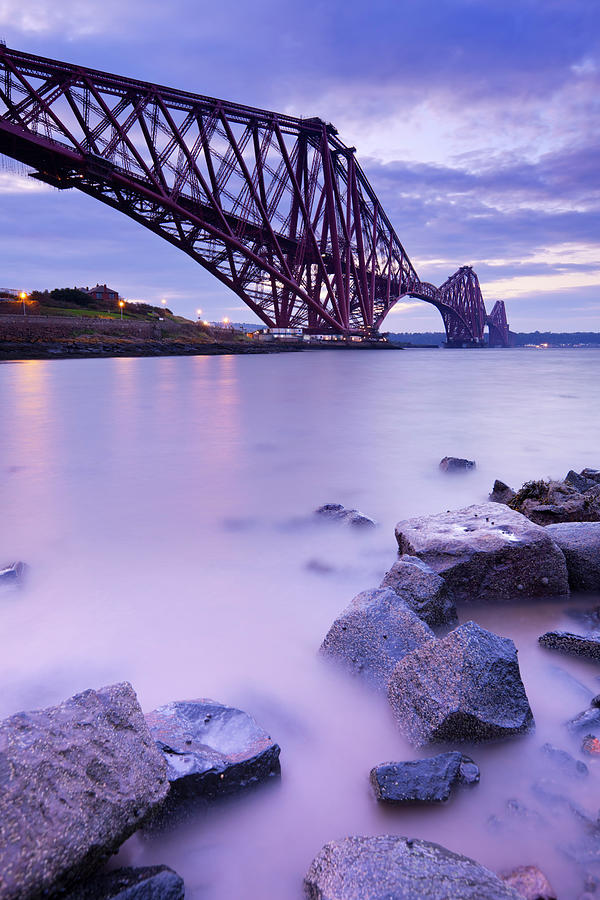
(275,207)
(498,326)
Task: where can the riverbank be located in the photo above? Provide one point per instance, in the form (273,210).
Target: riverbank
(85,349)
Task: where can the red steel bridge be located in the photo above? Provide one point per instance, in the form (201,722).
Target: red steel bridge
(275,207)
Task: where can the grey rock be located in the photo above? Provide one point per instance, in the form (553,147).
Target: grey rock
(576,644)
(77,779)
(570,681)
(588,619)
(12,574)
(465,686)
(587,720)
(591,474)
(549,502)
(337,513)
(423,591)
(583,852)
(373,633)
(501,493)
(428,780)
(210,748)
(579,482)
(389,867)
(456,464)
(487,553)
(530,883)
(563,760)
(552,795)
(515,817)
(144,883)
(580,543)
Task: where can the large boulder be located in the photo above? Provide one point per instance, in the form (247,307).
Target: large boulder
(210,748)
(144,883)
(580,543)
(428,780)
(77,780)
(373,633)
(389,867)
(486,553)
(462,687)
(576,644)
(423,591)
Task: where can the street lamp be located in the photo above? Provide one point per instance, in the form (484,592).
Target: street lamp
(121,305)
(23,297)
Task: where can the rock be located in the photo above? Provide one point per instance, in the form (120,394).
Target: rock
(77,780)
(570,681)
(210,748)
(550,793)
(388,867)
(576,644)
(565,762)
(422,590)
(337,513)
(588,619)
(589,718)
(529,883)
(591,474)
(591,745)
(580,543)
(579,482)
(455,464)
(13,574)
(548,502)
(485,552)
(373,633)
(516,813)
(423,780)
(501,493)
(462,687)
(145,883)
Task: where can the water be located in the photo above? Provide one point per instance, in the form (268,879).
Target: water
(164,507)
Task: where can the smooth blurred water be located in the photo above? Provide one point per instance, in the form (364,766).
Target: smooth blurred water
(164,508)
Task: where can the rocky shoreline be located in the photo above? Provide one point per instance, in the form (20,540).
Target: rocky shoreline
(21,350)
(80,777)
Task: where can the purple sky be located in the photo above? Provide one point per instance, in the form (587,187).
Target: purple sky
(476,122)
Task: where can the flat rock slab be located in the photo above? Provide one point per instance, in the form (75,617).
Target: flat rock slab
(576,644)
(77,780)
(580,543)
(465,686)
(145,883)
(387,867)
(487,553)
(530,883)
(426,593)
(423,780)
(210,748)
(373,633)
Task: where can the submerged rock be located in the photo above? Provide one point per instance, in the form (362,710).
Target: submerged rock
(501,493)
(456,464)
(387,866)
(423,780)
(589,718)
(77,780)
(373,633)
(210,748)
(423,591)
(144,883)
(486,553)
(565,762)
(462,687)
(530,883)
(577,644)
(337,513)
(13,574)
(580,543)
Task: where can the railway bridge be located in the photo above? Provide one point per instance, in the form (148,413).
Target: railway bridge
(276,207)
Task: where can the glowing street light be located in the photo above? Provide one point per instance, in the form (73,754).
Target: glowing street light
(225,321)
(198,312)
(23,297)
(121,305)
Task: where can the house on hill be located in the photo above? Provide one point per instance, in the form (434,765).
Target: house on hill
(102,292)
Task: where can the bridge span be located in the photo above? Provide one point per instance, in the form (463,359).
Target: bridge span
(276,207)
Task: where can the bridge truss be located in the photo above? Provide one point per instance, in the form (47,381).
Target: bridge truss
(276,207)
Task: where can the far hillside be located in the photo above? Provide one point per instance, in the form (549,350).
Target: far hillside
(103,303)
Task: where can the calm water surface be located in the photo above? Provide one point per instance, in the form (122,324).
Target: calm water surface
(164,507)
